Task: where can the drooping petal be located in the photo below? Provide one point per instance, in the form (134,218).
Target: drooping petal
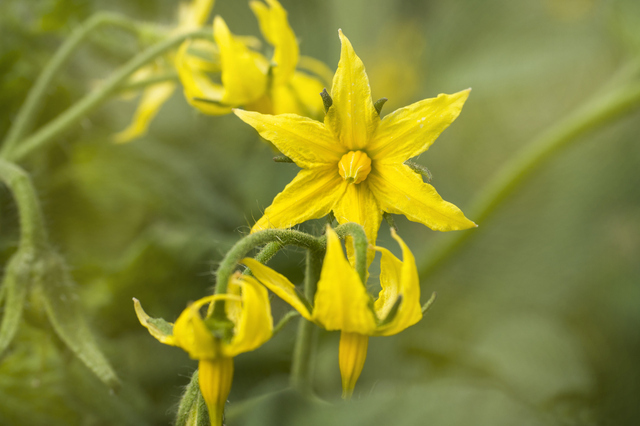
(317,67)
(198,85)
(152,99)
(400,190)
(255,325)
(244,72)
(411,130)
(279,284)
(398,279)
(276,30)
(341,301)
(310,195)
(352,354)
(352,118)
(215,377)
(307,142)
(158,328)
(360,206)
(191,334)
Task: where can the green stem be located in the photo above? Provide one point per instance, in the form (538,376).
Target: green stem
(143,84)
(71,116)
(33,233)
(35,98)
(592,116)
(302,363)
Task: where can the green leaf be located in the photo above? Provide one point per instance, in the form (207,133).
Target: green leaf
(62,306)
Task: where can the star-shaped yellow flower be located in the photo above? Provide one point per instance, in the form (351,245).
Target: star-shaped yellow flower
(342,302)
(190,17)
(249,79)
(353,163)
(247,306)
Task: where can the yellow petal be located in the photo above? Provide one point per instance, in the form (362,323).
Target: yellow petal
(307,142)
(194,14)
(316,67)
(398,279)
(244,72)
(411,130)
(400,190)
(255,325)
(360,206)
(191,334)
(307,92)
(341,301)
(275,28)
(215,377)
(156,329)
(279,284)
(352,118)
(197,84)
(351,355)
(310,195)
(153,97)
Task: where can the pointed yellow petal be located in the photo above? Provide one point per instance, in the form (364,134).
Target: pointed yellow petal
(275,28)
(244,72)
(197,84)
(152,99)
(398,279)
(360,206)
(279,284)
(310,195)
(351,355)
(255,325)
(411,130)
(307,142)
(159,329)
(400,190)
(341,301)
(215,377)
(191,334)
(352,118)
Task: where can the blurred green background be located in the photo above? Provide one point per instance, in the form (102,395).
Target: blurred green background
(537,319)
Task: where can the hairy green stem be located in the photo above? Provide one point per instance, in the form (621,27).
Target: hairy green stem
(33,233)
(304,349)
(593,115)
(35,99)
(72,115)
(361,244)
(143,84)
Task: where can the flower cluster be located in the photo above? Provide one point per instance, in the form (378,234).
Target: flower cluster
(353,165)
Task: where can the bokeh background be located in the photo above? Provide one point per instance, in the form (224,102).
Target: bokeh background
(537,320)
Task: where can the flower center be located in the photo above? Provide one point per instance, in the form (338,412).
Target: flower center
(354,166)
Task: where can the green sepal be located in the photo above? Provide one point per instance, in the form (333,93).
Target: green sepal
(192,410)
(379,104)
(389,219)
(427,305)
(420,169)
(326,100)
(392,312)
(282,159)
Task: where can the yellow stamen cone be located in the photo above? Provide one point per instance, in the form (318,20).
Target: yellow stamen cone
(354,166)
(352,354)
(215,377)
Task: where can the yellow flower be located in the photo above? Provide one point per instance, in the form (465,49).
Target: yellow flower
(249,79)
(247,306)
(191,16)
(352,164)
(342,303)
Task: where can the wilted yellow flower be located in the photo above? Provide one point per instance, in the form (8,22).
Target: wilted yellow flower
(249,79)
(247,306)
(191,16)
(353,163)
(342,303)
